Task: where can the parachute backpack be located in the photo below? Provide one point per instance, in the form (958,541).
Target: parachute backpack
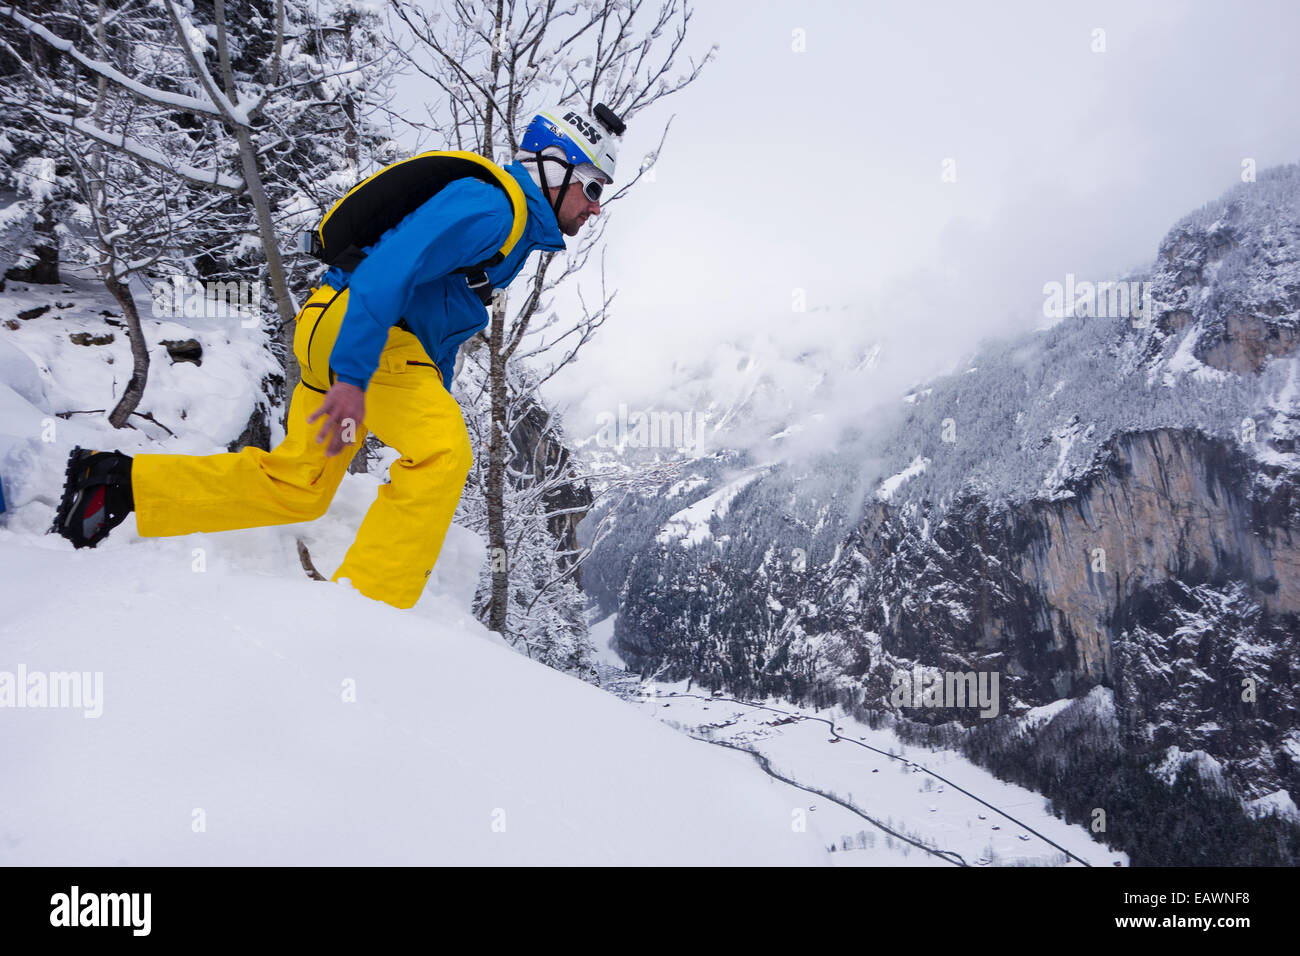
(381,201)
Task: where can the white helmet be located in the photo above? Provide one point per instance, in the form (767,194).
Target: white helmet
(585,141)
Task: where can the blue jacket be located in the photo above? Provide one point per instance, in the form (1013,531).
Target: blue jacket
(409,273)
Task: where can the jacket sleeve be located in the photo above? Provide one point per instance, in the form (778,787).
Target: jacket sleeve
(465,223)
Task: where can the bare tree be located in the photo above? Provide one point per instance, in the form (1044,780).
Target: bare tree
(547,490)
(135,215)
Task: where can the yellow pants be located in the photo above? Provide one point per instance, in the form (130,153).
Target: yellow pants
(407,408)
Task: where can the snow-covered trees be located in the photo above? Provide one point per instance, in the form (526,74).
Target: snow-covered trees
(251,115)
(33,183)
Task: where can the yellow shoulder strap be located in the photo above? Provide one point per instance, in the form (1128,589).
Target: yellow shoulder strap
(516,193)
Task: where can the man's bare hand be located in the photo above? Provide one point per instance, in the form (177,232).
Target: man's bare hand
(344,410)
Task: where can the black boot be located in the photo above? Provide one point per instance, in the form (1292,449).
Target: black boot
(96,496)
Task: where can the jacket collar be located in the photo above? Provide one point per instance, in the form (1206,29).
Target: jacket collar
(542,231)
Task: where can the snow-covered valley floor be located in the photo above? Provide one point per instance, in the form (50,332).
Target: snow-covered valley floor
(898,792)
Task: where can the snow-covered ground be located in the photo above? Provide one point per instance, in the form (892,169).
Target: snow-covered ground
(61,370)
(247,716)
(890,485)
(693,525)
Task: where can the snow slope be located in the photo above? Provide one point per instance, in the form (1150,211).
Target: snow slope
(693,525)
(224,692)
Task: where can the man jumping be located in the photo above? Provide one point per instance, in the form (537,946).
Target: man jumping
(377,344)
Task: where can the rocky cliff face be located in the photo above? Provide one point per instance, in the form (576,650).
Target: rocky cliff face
(1172,576)
(1120,509)
(1167,505)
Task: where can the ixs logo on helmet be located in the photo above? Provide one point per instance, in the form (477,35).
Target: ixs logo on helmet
(581,125)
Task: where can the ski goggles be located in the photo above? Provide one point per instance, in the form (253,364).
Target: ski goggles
(592,183)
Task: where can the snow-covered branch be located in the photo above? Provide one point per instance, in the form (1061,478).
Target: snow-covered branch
(178,101)
(147,154)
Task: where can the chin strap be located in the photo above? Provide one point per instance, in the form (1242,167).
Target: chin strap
(568,177)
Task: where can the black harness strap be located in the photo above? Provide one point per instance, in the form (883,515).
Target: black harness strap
(568,175)
(479,284)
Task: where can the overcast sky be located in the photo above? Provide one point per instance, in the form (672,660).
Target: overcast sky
(822,171)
